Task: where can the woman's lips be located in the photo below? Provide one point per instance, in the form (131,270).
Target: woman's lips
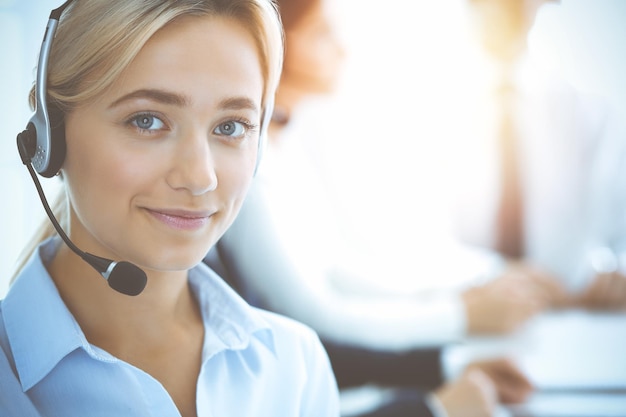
(181,219)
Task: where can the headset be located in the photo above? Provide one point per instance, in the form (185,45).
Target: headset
(46,137)
(42,148)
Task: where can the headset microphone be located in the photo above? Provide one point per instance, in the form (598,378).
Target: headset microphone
(123,277)
(42,145)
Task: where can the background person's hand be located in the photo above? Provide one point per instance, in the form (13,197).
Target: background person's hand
(512,386)
(547,286)
(504,304)
(500,306)
(472,395)
(606,291)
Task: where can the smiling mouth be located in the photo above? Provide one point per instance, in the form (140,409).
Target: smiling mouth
(181,220)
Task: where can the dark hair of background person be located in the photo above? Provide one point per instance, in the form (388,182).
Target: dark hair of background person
(292,11)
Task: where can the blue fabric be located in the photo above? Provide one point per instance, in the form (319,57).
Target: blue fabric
(255,363)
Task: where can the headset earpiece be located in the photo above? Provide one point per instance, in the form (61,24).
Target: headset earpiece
(46,141)
(43,141)
(57,140)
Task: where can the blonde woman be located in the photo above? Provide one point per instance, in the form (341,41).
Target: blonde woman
(160,104)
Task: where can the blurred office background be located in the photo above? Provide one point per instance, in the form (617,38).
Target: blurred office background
(403,88)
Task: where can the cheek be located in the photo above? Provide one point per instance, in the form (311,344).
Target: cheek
(101,181)
(97,157)
(105,170)
(235,176)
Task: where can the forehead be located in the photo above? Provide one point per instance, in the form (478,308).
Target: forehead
(204,58)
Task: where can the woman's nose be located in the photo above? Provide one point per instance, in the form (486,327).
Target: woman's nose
(193,166)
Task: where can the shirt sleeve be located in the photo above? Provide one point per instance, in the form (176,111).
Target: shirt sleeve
(264,265)
(13,400)
(322,395)
(435,406)
(608,249)
(301,357)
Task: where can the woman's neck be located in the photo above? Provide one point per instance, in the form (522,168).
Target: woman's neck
(117,322)
(160,331)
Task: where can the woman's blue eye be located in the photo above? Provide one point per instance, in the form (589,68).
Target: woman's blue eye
(147,122)
(231,128)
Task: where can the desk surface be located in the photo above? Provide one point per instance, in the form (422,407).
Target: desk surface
(571,405)
(576,359)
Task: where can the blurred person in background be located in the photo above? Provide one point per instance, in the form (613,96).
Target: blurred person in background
(282,253)
(541,170)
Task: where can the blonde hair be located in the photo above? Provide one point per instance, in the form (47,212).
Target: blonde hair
(97,39)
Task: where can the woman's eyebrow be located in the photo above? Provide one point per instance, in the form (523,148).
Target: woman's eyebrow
(239,103)
(179,100)
(160,96)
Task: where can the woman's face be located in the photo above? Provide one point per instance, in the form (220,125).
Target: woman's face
(157,167)
(314,51)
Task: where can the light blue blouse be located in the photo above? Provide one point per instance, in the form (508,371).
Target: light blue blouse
(255,363)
